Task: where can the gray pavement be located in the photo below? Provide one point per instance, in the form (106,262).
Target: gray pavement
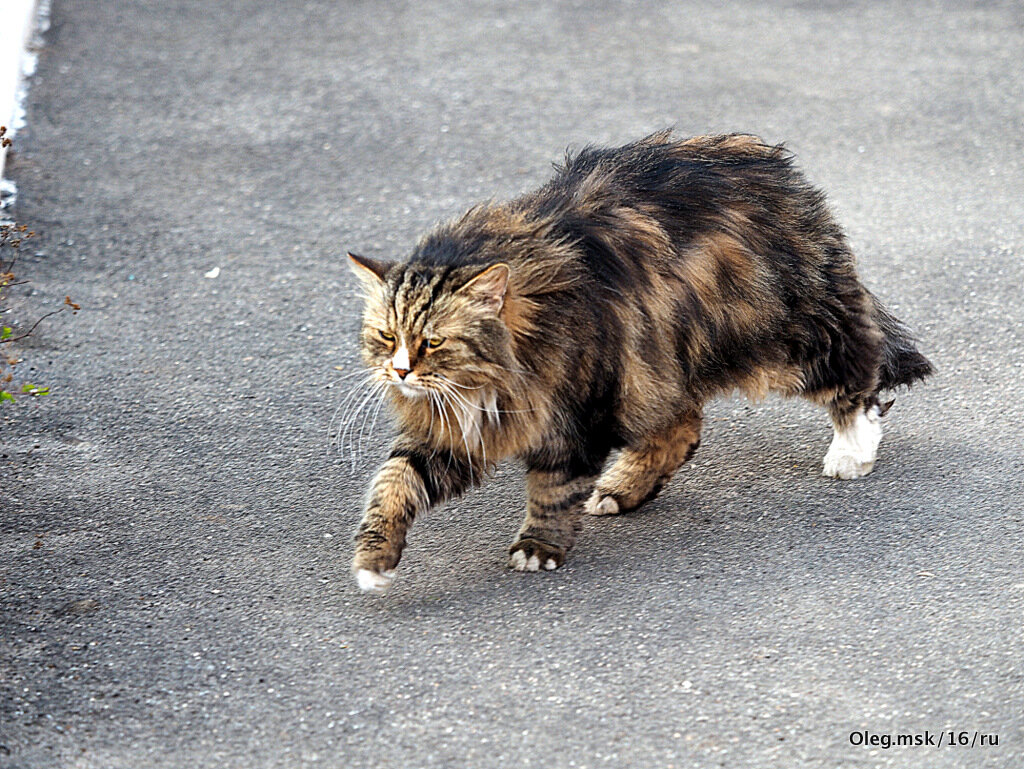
(174,587)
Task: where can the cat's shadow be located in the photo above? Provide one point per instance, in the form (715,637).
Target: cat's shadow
(704,526)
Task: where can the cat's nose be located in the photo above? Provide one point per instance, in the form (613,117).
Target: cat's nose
(400,362)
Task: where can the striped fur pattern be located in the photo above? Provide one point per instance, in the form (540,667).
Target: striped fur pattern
(600,313)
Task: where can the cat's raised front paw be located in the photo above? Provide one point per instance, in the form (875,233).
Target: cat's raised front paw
(532,555)
(371,581)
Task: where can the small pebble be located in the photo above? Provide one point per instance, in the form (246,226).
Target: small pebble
(79,607)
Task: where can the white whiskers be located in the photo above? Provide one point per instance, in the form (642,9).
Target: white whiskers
(364,400)
(464,415)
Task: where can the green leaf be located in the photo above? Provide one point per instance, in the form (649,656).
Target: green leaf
(6,332)
(5,396)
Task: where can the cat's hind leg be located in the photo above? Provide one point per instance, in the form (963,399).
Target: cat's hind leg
(857,433)
(639,473)
(842,371)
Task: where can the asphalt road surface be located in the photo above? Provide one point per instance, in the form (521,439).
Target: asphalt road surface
(174,585)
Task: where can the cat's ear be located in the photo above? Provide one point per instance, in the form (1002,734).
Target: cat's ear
(489,286)
(370,271)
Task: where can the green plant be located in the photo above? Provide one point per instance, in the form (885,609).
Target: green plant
(12,235)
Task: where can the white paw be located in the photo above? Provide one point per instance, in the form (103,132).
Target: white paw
(598,505)
(375,581)
(846,466)
(520,562)
(853,450)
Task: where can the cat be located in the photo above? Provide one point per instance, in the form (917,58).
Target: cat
(601,312)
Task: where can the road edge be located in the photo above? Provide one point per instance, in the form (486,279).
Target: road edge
(21,22)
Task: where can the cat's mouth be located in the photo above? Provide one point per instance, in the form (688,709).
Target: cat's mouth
(409,389)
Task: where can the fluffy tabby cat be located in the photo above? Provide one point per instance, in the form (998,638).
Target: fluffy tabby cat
(601,312)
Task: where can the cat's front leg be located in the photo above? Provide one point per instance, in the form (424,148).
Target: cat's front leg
(554,503)
(412,480)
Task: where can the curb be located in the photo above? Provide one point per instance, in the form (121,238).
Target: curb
(19,21)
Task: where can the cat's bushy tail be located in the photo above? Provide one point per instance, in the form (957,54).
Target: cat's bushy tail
(902,363)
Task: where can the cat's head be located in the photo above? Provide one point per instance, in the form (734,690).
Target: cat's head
(434,327)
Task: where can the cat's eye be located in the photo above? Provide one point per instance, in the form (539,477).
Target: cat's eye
(387,336)
(435,341)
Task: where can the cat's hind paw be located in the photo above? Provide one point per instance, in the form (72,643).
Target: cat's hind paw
(599,504)
(846,466)
(376,582)
(854,447)
(532,555)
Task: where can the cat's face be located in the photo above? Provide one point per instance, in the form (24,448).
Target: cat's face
(433,329)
